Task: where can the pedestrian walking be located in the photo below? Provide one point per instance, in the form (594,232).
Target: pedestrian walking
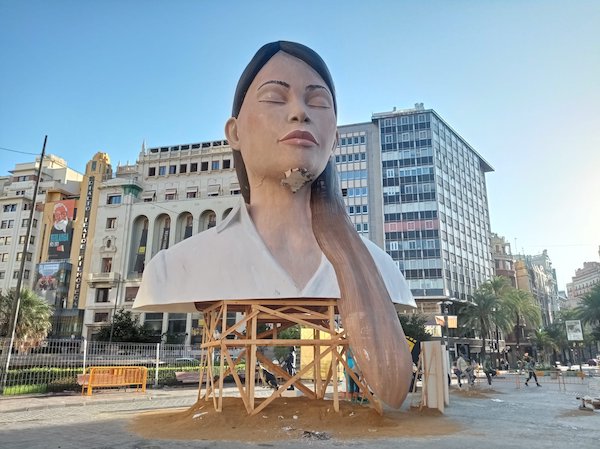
(488,369)
(290,364)
(530,367)
(462,369)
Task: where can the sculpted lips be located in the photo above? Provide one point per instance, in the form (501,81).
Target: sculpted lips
(302,138)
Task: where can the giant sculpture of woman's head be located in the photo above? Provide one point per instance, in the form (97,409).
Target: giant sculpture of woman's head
(283,131)
(285,87)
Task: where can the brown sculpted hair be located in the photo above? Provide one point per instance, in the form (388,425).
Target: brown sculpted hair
(366,309)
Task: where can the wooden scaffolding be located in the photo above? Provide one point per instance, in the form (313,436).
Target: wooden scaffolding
(243,338)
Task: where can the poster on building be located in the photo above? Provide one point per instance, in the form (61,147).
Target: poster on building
(574,331)
(440,320)
(61,230)
(52,282)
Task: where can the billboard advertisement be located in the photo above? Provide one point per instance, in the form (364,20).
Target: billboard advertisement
(61,230)
(574,331)
(52,282)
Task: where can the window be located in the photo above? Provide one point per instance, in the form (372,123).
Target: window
(102,295)
(26,206)
(193,167)
(20,192)
(226,164)
(152,171)
(10,207)
(111,223)
(177,324)
(7,224)
(365,227)
(172,169)
(6,240)
(215,165)
(183,168)
(191,194)
(100,317)
(4,257)
(113,199)
(130,293)
(35,222)
(16,274)
(365,209)
(20,256)
(26,274)
(25,222)
(204,166)
(2,274)
(405,137)
(153,322)
(162,170)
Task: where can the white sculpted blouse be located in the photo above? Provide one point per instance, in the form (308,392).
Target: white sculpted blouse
(230,261)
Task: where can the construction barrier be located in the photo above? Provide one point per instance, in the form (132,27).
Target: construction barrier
(114,377)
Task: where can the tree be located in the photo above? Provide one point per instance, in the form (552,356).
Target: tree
(291,333)
(542,341)
(477,315)
(588,310)
(34,320)
(414,326)
(126,328)
(524,310)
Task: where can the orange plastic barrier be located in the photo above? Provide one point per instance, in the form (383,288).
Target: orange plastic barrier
(114,376)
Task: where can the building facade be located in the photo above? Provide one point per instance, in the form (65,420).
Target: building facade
(536,275)
(504,263)
(170,194)
(16,202)
(435,207)
(583,282)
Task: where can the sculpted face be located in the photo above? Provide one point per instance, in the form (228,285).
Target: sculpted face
(287,121)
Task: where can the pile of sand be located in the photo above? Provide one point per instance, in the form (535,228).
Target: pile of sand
(289,418)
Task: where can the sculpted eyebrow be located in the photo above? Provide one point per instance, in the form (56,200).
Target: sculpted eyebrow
(281,83)
(317,86)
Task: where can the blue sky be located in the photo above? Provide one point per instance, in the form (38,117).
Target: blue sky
(519,80)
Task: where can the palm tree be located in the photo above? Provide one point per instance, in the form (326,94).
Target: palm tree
(479,315)
(499,286)
(34,320)
(588,310)
(542,342)
(523,308)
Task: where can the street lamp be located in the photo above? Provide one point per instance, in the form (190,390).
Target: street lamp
(444,306)
(112,321)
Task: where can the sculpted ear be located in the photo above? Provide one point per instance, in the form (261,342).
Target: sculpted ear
(231,132)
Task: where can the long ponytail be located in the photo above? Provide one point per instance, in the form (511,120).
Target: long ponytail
(368,314)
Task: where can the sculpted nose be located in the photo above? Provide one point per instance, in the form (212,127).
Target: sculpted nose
(298,112)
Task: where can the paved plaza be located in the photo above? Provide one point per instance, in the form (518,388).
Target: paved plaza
(507,416)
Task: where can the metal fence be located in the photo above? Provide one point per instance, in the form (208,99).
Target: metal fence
(53,365)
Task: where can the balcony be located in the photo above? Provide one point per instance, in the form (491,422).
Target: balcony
(109,279)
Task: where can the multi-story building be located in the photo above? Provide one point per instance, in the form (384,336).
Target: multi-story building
(436,219)
(504,263)
(171,193)
(582,283)
(536,275)
(16,202)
